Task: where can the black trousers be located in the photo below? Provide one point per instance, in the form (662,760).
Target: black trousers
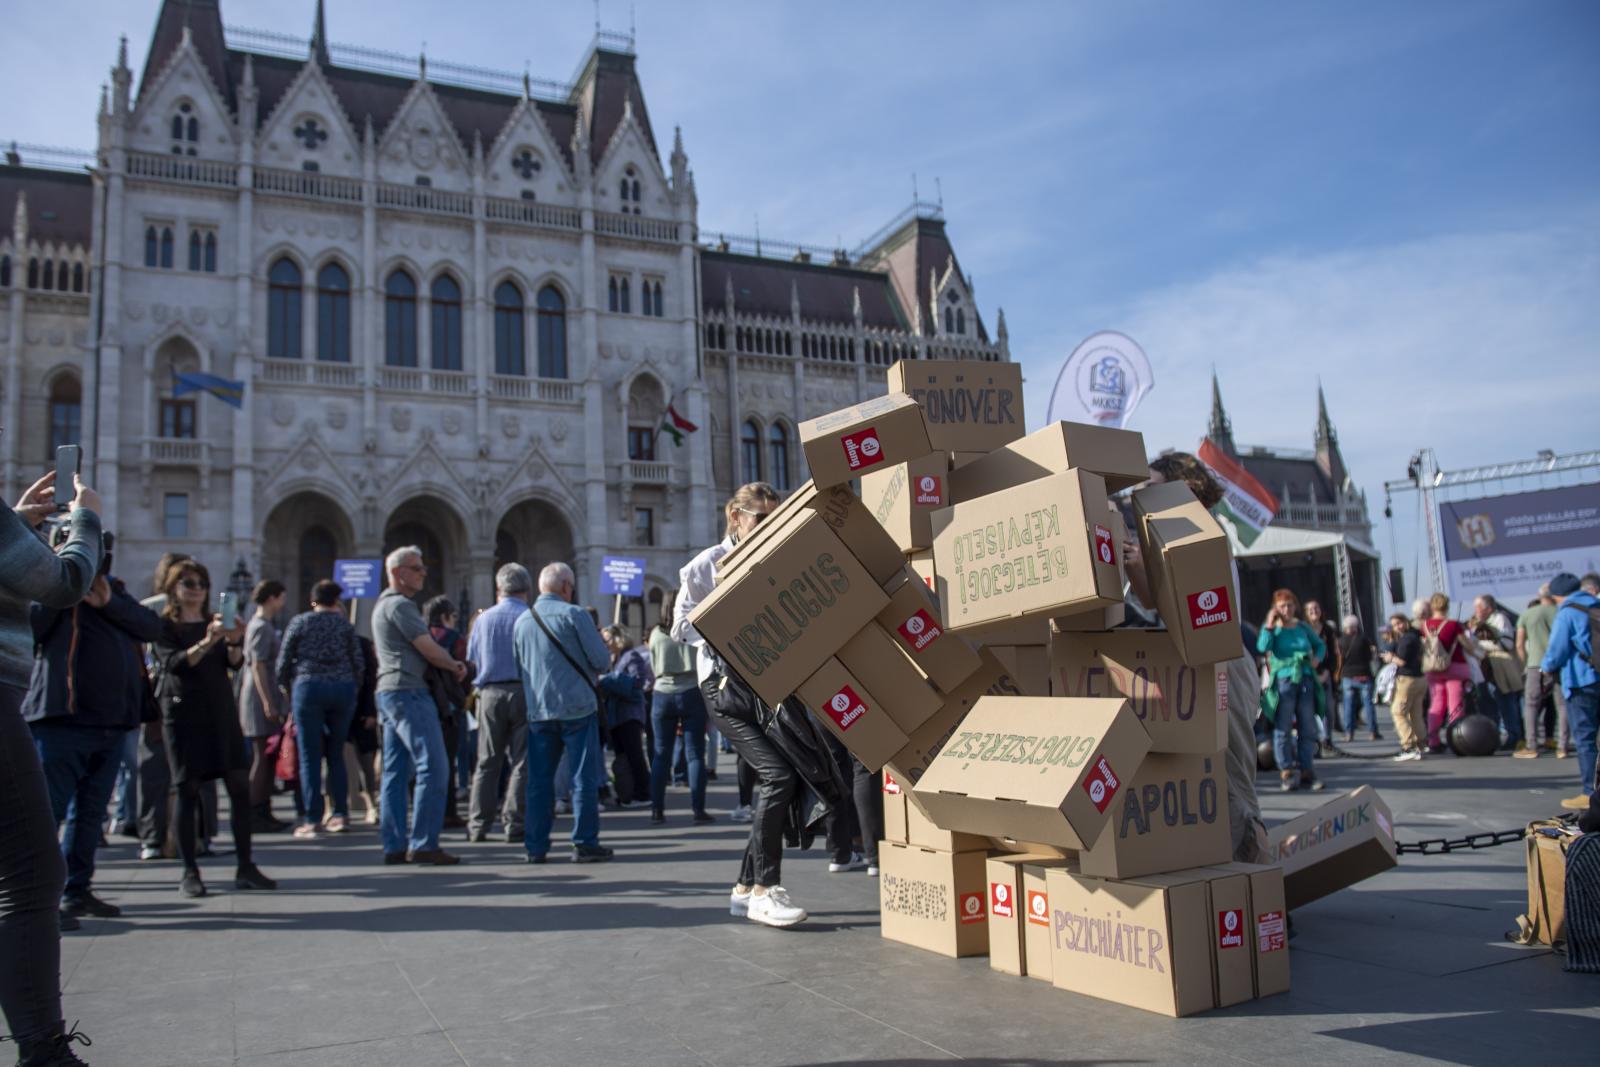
(747,782)
(237,783)
(628,765)
(155,782)
(865,817)
(776,782)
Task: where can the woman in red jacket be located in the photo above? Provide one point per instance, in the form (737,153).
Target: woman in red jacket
(1446,688)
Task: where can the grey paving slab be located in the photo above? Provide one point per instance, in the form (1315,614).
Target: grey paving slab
(637,962)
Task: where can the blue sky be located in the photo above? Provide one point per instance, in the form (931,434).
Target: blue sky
(1399,198)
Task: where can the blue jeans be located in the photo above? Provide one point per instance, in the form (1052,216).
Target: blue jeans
(127,791)
(1583,716)
(1297,712)
(80,770)
(1510,707)
(667,712)
(547,740)
(323,707)
(411,738)
(1356,694)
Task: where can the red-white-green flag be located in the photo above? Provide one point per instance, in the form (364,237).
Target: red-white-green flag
(1246,503)
(676,426)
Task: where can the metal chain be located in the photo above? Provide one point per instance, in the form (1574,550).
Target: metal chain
(1436,846)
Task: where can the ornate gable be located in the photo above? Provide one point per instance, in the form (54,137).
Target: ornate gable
(628,156)
(309,125)
(184,90)
(526,157)
(535,469)
(309,459)
(420,141)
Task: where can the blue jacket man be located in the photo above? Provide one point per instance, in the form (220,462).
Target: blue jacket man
(1571,653)
(558,663)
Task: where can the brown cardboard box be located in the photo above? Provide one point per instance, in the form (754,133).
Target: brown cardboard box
(874,434)
(961,459)
(1025,551)
(1268,932)
(1173,815)
(1007,909)
(912,619)
(1036,939)
(1041,769)
(894,810)
(1029,665)
(1183,708)
(875,658)
(1190,570)
(1230,938)
(1114,615)
(921,831)
(911,762)
(921,564)
(1031,630)
(781,615)
(933,900)
(1116,455)
(969,406)
(844,513)
(853,713)
(902,498)
(1143,943)
(1348,839)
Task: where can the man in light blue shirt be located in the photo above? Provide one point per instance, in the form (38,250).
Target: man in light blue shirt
(1571,654)
(558,663)
(502,709)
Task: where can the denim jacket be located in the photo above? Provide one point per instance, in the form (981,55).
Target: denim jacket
(553,688)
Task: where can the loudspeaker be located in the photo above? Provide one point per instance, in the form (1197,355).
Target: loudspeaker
(1397,585)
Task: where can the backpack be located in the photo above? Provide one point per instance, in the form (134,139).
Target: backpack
(1593,615)
(1435,657)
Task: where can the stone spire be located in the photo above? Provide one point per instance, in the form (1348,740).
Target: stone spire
(1220,429)
(319,38)
(1329,460)
(679,161)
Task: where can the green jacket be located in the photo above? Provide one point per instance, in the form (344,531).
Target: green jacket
(1292,653)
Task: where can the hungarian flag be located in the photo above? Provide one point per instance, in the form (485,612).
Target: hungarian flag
(1245,501)
(675,426)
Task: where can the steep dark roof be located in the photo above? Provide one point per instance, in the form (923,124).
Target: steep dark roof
(1302,476)
(204,21)
(60,203)
(929,254)
(764,287)
(615,82)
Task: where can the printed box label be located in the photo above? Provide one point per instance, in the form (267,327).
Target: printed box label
(1038,907)
(972,908)
(1101,785)
(862,448)
(1209,607)
(930,492)
(845,708)
(1270,932)
(1230,928)
(1104,549)
(920,631)
(1000,900)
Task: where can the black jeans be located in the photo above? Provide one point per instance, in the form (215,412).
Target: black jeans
(776,782)
(32,873)
(155,783)
(865,817)
(628,765)
(747,782)
(238,786)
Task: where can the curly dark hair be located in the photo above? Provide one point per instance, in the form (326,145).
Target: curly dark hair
(1184,467)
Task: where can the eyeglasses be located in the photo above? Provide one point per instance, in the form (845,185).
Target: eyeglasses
(190,583)
(759,516)
(412,567)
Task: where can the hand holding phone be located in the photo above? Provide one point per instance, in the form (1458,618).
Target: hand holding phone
(228,605)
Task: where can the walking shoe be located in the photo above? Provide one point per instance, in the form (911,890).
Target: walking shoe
(1410,755)
(1577,803)
(372,817)
(591,854)
(563,807)
(86,903)
(739,903)
(845,861)
(52,1049)
(1524,752)
(1549,745)
(514,837)
(336,825)
(127,829)
(250,877)
(1434,750)
(872,868)
(1316,785)
(711,776)
(774,908)
(192,886)
(701,817)
(433,857)
(263,823)
(657,817)
(1286,781)
(451,822)
(1376,736)
(149,852)
(534,859)
(743,813)
(1563,753)
(306,830)
(69,923)
(476,837)
(393,859)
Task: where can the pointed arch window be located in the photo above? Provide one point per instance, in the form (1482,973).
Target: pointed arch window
(185,130)
(750,452)
(445,312)
(5,272)
(210,253)
(778,456)
(66,411)
(552,320)
(400,320)
(77,277)
(509,331)
(622,290)
(195,245)
(48,280)
(333,314)
(611,294)
(166,247)
(949,321)
(961,321)
(283,310)
(152,247)
(33,274)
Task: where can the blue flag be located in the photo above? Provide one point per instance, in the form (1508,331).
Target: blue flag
(221,388)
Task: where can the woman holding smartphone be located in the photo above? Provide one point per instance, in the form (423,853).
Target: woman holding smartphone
(199,719)
(1293,650)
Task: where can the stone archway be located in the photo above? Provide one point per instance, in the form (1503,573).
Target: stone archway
(302,536)
(534,533)
(435,527)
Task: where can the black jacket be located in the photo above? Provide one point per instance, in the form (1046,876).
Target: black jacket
(88,663)
(794,732)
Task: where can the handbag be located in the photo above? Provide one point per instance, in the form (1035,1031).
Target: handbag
(587,676)
(287,768)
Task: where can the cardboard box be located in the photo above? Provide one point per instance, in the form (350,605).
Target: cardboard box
(1035,768)
(844,513)
(1117,456)
(1029,665)
(894,810)
(1037,942)
(1183,708)
(778,618)
(1027,551)
(1172,815)
(1190,569)
(1143,943)
(1007,913)
(921,564)
(853,713)
(890,675)
(1347,840)
(902,498)
(1269,927)
(914,621)
(961,459)
(933,900)
(911,762)
(1114,615)
(1230,938)
(924,833)
(969,406)
(874,434)
(1033,630)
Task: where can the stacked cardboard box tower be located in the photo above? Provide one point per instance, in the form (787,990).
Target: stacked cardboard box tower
(1054,792)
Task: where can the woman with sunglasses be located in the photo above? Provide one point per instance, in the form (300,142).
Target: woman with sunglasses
(200,720)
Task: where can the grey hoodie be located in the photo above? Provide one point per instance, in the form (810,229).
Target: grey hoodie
(30,573)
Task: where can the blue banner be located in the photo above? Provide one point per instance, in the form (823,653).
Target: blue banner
(621,576)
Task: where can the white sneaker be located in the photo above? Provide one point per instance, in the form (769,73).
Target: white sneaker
(148,853)
(1408,756)
(739,903)
(872,870)
(774,908)
(743,813)
(855,864)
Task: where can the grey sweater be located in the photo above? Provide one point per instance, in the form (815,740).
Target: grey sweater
(31,573)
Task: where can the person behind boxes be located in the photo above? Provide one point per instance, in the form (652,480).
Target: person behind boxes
(1445,648)
(1406,705)
(678,716)
(1533,637)
(758,894)
(1355,678)
(1327,674)
(1572,653)
(1290,701)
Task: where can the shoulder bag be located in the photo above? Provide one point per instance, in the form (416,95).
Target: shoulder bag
(586,675)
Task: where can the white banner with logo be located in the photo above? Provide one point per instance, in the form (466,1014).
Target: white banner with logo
(1102,381)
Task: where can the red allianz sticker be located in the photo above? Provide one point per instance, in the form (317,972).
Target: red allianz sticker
(920,630)
(1104,550)
(930,493)
(862,448)
(1000,900)
(1101,785)
(845,708)
(1230,928)
(890,786)
(1209,607)
(1270,932)
(972,908)
(1038,907)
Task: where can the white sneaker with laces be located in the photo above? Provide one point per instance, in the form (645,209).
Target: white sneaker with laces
(855,863)
(774,908)
(872,870)
(742,813)
(739,903)
(148,853)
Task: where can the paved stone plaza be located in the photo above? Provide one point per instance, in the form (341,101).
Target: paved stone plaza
(637,962)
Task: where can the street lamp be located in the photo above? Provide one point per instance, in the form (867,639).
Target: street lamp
(241,581)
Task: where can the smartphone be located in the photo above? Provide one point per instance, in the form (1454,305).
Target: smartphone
(228,606)
(68,459)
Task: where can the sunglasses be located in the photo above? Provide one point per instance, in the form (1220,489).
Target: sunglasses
(759,516)
(190,583)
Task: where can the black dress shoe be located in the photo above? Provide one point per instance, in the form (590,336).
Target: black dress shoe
(86,903)
(69,923)
(704,817)
(535,859)
(393,859)
(591,854)
(657,817)
(250,877)
(192,886)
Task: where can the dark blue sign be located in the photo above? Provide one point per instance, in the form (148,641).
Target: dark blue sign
(621,576)
(359,578)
